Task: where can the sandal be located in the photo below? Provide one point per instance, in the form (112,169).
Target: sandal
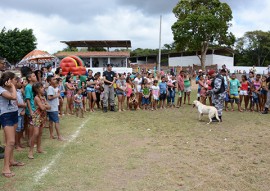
(8,174)
(17,164)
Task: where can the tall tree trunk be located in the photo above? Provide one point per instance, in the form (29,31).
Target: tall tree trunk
(203,54)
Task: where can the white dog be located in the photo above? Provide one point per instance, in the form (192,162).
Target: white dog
(204,109)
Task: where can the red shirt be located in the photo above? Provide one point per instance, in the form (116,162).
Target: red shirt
(244,86)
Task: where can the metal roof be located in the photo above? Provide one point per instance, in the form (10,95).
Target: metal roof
(99,43)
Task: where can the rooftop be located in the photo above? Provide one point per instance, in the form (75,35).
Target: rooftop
(93,54)
(99,43)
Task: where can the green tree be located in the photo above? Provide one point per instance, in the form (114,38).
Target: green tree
(201,23)
(70,49)
(15,44)
(254,47)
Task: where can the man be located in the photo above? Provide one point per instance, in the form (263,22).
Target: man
(267,104)
(109,79)
(218,92)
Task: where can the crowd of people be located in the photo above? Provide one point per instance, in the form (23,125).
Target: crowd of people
(36,97)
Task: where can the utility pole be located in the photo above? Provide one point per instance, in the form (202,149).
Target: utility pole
(159,54)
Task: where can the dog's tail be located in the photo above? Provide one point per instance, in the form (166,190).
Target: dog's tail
(217,116)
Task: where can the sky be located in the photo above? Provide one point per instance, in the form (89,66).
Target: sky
(137,20)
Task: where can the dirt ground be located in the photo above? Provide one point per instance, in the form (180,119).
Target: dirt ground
(151,150)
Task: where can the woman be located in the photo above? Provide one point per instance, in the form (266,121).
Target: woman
(39,75)
(121,91)
(138,88)
(9,119)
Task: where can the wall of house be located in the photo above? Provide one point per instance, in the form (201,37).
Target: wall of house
(102,62)
(210,60)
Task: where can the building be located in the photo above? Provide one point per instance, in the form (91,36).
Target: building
(97,60)
(216,57)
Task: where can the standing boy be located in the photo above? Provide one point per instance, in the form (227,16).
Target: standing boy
(53,95)
(233,91)
(21,112)
(31,108)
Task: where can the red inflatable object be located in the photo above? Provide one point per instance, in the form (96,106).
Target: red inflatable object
(78,60)
(72,64)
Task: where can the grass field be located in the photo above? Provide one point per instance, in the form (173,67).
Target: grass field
(150,150)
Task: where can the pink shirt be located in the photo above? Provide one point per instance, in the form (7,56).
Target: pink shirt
(180,82)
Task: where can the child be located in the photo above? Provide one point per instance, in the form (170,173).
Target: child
(101,96)
(187,88)
(263,94)
(21,112)
(208,82)
(244,91)
(31,108)
(254,98)
(163,92)
(257,85)
(181,88)
(171,91)
(145,95)
(38,118)
(155,95)
(9,120)
(233,93)
(53,99)
(133,102)
(78,103)
(70,93)
(128,90)
(84,94)
(203,89)
(62,95)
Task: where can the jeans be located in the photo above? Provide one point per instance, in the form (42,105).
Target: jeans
(171,96)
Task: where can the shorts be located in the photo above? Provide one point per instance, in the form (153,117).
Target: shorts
(145,101)
(53,116)
(20,127)
(9,119)
(30,119)
(119,92)
(243,92)
(80,105)
(70,93)
(90,90)
(255,100)
(263,92)
(180,93)
(199,93)
(234,98)
(227,98)
(187,89)
(162,97)
(156,98)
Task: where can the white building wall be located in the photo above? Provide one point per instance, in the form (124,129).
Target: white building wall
(210,60)
(221,60)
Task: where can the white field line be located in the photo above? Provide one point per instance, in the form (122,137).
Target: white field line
(40,174)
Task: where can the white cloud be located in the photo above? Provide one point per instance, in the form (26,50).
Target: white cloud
(116,21)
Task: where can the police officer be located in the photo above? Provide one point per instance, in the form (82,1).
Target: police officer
(218,91)
(109,79)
